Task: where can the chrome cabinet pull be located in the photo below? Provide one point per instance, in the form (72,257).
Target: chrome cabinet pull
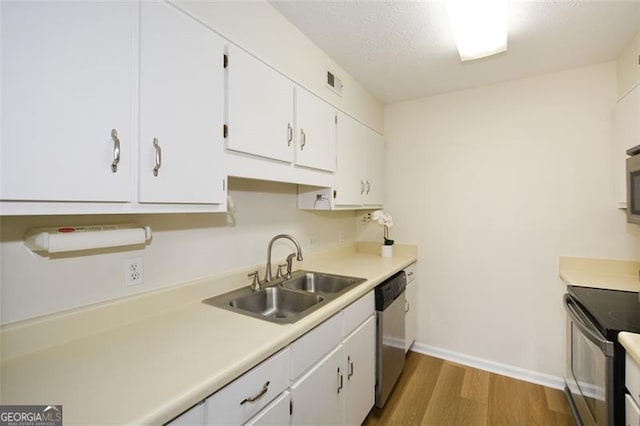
(361,187)
(350,372)
(339,380)
(116,150)
(368,187)
(158,156)
(289,134)
(303,138)
(265,389)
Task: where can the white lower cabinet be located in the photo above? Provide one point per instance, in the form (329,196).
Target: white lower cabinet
(340,387)
(192,417)
(632,399)
(360,378)
(247,395)
(276,413)
(325,377)
(317,397)
(411,313)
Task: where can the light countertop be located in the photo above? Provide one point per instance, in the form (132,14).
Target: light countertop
(631,343)
(146,359)
(600,273)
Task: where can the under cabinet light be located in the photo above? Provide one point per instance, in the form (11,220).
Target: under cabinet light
(479,27)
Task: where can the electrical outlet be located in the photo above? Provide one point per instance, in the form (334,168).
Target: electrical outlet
(312,242)
(133,272)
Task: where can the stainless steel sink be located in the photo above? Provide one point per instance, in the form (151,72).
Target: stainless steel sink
(286,300)
(316,282)
(276,302)
(273,303)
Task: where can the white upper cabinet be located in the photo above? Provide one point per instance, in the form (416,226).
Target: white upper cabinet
(349,179)
(359,176)
(260,108)
(68,83)
(181,108)
(374,170)
(315,132)
(626,134)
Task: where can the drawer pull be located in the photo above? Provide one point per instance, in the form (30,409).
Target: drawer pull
(350,372)
(260,394)
(339,380)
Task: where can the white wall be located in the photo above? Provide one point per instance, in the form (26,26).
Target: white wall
(259,28)
(184,247)
(494,184)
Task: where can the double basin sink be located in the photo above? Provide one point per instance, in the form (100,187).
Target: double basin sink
(286,300)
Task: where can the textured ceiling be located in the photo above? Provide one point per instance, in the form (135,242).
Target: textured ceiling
(402,50)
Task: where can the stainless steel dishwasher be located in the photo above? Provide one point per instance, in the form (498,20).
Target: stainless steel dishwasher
(390,334)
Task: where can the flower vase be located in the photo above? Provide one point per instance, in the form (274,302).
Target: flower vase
(386,251)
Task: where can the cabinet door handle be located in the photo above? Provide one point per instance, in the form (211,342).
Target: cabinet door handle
(116,150)
(350,372)
(158,156)
(289,134)
(407,306)
(368,187)
(265,389)
(339,380)
(303,139)
(361,187)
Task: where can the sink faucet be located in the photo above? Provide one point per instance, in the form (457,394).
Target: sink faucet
(267,275)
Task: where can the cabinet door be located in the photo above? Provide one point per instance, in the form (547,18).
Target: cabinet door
(315,132)
(192,417)
(373,147)
(411,315)
(67,81)
(181,108)
(276,413)
(349,183)
(317,397)
(626,134)
(360,381)
(260,108)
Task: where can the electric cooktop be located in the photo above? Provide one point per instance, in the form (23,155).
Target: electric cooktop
(611,310)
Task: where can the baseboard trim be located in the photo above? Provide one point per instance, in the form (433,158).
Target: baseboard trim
(548,380)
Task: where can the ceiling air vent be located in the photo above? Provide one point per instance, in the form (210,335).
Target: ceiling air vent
(334,83)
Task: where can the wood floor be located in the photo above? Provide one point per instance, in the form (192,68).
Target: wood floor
(432,391)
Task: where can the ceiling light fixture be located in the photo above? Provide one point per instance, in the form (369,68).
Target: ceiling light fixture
(479,27)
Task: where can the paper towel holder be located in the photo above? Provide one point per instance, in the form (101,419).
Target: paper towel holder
(78,238)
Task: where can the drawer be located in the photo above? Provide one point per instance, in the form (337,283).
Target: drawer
(632,377)
(311,347)
(411,272)
(276,413)
(271,376)
(631,411)
(358,312)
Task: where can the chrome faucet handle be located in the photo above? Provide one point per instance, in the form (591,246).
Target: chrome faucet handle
(255,283)
(280,274)
(290,264)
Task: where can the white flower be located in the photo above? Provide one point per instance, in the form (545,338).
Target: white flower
(382,218)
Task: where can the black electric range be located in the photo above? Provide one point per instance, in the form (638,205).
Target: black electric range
(607,312)
(611,310)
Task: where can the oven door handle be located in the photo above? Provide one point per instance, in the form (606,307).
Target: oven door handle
(586,328)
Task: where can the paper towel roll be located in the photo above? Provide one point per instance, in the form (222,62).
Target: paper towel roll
(57,240)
